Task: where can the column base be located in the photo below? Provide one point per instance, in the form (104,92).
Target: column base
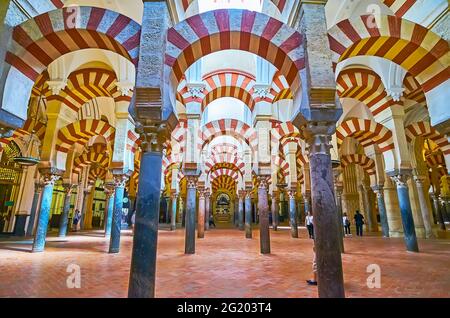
(37,250)
(114,250)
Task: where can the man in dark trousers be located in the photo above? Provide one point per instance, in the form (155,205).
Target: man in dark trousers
(359,221)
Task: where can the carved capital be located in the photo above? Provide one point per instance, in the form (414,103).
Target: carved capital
(400,180)
(57,86)
(261,91)
(192,182)
(292,194)
(68,188)
(120,180)
(263,182)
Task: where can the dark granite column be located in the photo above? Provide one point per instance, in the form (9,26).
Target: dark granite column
(328,255)
(307,200)
(143,258)
(409,231)
(293,214)
(241,210)
(263,211)
(275,211)
(64,220)
(438,211)
(338,188)
(191,209)
(119,190)
(425,210)
(174,207)
(379,191)
(201,213)
(110,210)
(44,212)
(34,208)
(207,208)
(248,214)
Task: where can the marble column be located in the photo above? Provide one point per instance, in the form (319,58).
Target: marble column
(248,214)
(275,207)
(438,210)
(424,206)
(145,238)
(34,208)
(119,191)
(201,213)
(338,188)
(110,210)
(189,247)
(328,255)
(166,214)
(409,231)
(379,191)
(44,212)
(174,206)
(64,220)
(207,208)
(307,200)
(84,208)
(263,211)
(293,214)
(371,223)
(241,210)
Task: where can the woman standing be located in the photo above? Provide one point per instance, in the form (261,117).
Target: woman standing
(310,225)
(346,223)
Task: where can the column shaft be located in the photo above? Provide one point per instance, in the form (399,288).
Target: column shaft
(173,224)
(275,219)
(293,214)
(424,208)
(119,190)
(110,212)
(189,247)
(241,212)
(379,191)
(143,258)
(263,210)
(44,214)
(248,215)
(201,214)
(207,210)
(65,214)
(34,209)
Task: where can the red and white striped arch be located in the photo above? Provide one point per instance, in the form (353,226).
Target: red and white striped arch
(280,88)
(418,50)
(81,131)
(233,127)
(85,85)
(413,90)
(425,130)
(224,172)
(213,31)
(435,159)
(365,162)
(365,86)
(231,161)
(39,41)
(399,7)
(224,148)
(174,158)
(367,132)
(281,165)
(133,141)
(226,183)
(95,154)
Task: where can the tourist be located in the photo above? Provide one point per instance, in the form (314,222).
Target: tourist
(313,281)
(359,221)
(211,221)
(346,223)
(76,219)
(310,225)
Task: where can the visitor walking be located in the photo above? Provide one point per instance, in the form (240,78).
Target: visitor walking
(359,221)
(310,225)
(346,223)
(76,220)
(211,221)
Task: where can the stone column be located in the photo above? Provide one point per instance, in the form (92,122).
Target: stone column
(371,222)
(379,191)
(201,213)
(293,214)
(328,256)
(248,214)
(110,210)
(68,188)
(338,188)
(168,205)
(438,210)
(84,207)
(119,190)
(44,211)
(34,208)
(189,247)
(263,211)
(241,210)
(409,230)
(173,219)
(275,207)
(424,206)
(207,208)
(143,258)
(307,199)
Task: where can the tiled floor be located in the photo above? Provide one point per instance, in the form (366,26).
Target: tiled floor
(226,265)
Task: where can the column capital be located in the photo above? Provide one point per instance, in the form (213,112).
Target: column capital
(263,181)
(400,177)
(292,194)
(192,182)
(120,180)
(49,179)
(241,194)
(318,137)
(419,180)
(68,188)
(154,134)
(248,194)
(38,187)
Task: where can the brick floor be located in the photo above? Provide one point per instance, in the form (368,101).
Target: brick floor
(226,265)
